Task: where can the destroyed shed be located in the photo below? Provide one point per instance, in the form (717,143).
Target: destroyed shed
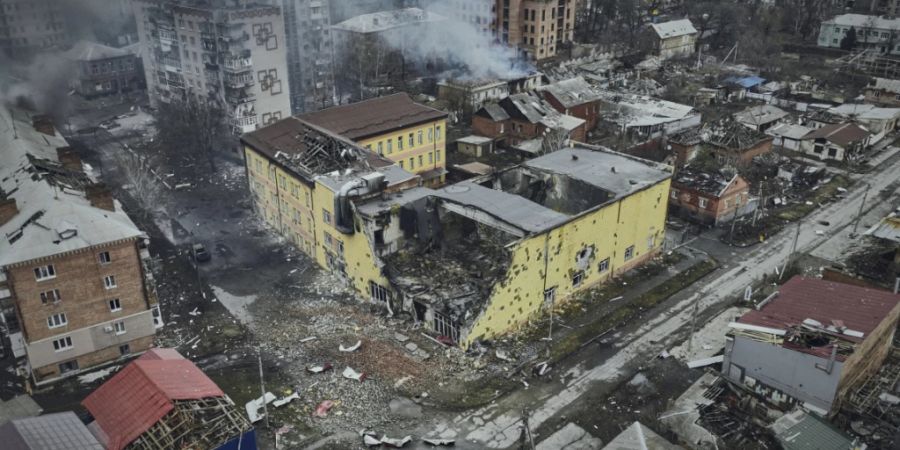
(812,342)
(734,144)
(163,401)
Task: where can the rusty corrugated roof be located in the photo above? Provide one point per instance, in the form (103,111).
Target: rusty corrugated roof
(143,393)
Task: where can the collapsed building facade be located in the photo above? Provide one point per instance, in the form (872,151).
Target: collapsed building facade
(472,260)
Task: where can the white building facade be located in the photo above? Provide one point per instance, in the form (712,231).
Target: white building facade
(872,32)
(234,55)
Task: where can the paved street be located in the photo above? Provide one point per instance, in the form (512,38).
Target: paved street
(498,425)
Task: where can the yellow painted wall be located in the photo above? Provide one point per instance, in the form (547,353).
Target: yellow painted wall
(277,194)
(437,147)
(611,230)
(360,264)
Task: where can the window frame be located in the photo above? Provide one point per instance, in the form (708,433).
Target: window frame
(43,273)
(57,320)
(109,282)
(63,343)
(629,253)
(106,260)
(114,301)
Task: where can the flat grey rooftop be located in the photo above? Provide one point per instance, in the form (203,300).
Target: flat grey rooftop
(510,208)
(614,172)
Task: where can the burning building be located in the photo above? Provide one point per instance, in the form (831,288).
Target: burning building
(471,260)
(469,94)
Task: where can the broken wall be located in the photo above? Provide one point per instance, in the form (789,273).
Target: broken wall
(560,193)
(868,356)
(788,371)
(636,221)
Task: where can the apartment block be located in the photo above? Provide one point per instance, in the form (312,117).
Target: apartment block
(403,131)
(234,53)
(472,260)
(74,284)
(30,25)
(307,31)
(539,28)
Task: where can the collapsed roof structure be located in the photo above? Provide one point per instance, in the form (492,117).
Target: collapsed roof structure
(162,400)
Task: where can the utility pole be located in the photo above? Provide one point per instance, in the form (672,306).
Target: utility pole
(793,250)
(859,214)
(262,388)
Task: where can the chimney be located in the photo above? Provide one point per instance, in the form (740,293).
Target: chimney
(42,123)
(8,210)
(69,159)
(100,196)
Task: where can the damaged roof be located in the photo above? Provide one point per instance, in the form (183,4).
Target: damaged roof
(713,183)
(641,110)
(843,134)
(760,115)
(789,131)
(512,209)
(640,437)
(674,28)
(142,393)
(309,150)
(493,111)
(888,228)
(387,20)
(54,216)
(526,106)
(886,84)
(858,308)
(572,92)
(864,111)
(731,135)
(616,173)
(373,117)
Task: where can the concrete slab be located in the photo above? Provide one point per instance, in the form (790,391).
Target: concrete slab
(570,437)
(18,407)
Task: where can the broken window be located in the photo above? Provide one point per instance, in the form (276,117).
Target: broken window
(703,202)
(109,281)
(68,366)
(124,349)
(629,253)
(445,327)
(550,296)
(604,265)
(326,216)
(651,241)
(115,305)
(51,296)
(378,292)
(104,258)
(577,278)
(674,194)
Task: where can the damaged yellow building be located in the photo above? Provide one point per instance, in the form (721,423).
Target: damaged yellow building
(472,260)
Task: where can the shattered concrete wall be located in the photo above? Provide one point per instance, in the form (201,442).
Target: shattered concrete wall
(868,356)
(551,259)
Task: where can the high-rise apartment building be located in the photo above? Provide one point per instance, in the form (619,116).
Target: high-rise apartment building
(307,32)
(539,28)
(232,52)
(29,25)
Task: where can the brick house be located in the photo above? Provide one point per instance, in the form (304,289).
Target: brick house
(710,198)
(523,117)
(736,144)
(836,142)
(883,91)
(574,97)
(74,285)
(104,70)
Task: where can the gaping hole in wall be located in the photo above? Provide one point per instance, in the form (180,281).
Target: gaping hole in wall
(560,193)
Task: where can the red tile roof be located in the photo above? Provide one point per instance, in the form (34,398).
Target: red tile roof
(857,308)
(143,392)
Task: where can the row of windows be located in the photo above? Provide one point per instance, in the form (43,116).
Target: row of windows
(386,147)
(411,163)
(59,319)
(47,272)
(65,343)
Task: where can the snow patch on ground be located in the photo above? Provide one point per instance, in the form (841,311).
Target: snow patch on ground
(96,375)
(236,305)
(165,227)
(709,340)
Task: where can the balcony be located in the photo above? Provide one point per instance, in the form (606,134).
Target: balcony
(239,80)
(238,96)
(168,37)
(238,65)
(244,124)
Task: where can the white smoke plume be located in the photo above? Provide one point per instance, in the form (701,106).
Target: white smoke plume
(461,43)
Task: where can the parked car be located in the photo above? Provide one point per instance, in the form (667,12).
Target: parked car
(199,252)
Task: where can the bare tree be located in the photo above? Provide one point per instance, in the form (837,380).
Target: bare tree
(192,126)
(554,139)
(141,181)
